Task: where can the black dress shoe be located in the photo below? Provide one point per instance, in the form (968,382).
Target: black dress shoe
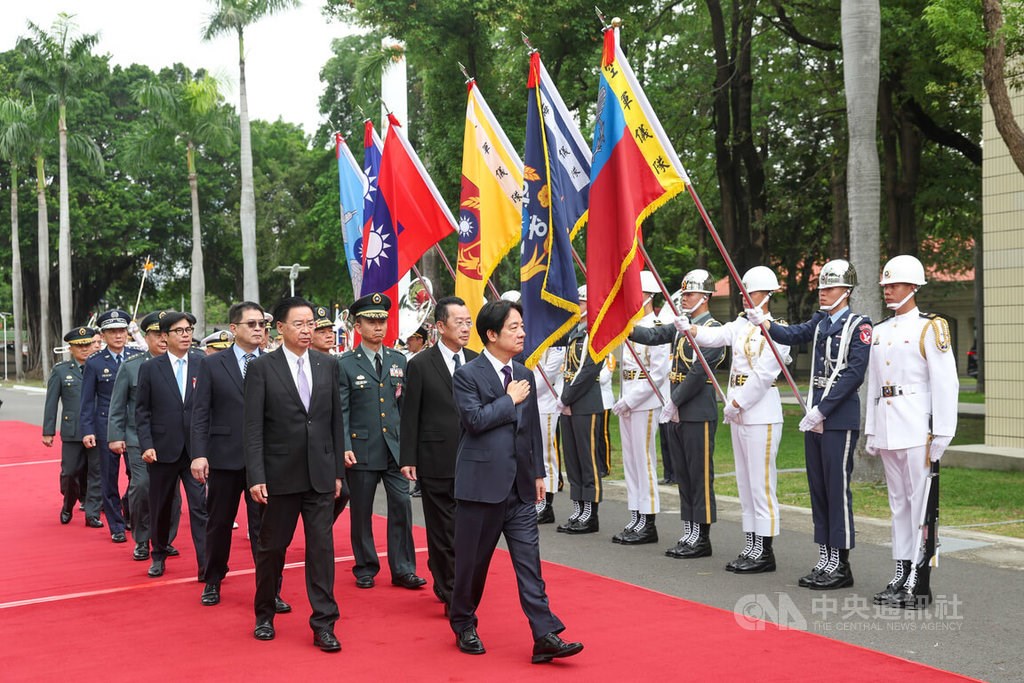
(562,528)
(840,577)
(617,538)
(65,517)
(141,552)
(469,642)
(649,534)
(546,516)
(591,526)
(172,551)
(211,595)
(326,641)
(410,581)
(364,582)
(806,580)
(280,606)
(156,569)
(551,647)
(702,548)
(757,565)
(93,522)
(118,537)
(264,630)
(676,550)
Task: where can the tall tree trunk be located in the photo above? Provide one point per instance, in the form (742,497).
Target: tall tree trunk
(995,82)
(198,276)
(861,31)
(17,291)
(902,148)
(64,236)
(247,214)
(979,308)
(45,345)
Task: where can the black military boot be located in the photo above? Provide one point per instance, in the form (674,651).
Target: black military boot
(744,554)
(587,522)
(634,519)
(546,515)
(577,508)
(644,532)
(700,546)
(809,578)
(761,558)
(884,596)
(680,545)
(837,573)
(916,590)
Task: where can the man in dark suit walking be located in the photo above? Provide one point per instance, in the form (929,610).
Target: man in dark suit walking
(294,464)
(499,478)
(218,460)
(430,436)
(163,418)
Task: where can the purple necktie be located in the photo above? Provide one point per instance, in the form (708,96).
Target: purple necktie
(507,371)
(303,384)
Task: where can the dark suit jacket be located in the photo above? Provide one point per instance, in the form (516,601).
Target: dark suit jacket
(430,422)
(163,420)
(501,445)
(218,410)
(288,448)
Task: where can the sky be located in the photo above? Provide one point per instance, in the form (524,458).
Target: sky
(284,52)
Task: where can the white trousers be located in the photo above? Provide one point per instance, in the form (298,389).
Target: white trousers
(639,431)
(906,473)
(754,449)
(548,424)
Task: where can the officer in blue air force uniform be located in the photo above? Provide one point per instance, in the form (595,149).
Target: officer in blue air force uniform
(841,344)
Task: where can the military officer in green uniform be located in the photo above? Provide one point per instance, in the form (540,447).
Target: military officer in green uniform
(79,466)
(124,439)
(372,379)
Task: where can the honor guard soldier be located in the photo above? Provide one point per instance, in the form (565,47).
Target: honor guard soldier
(79,465)
(548,377)
(840,346)
(218,341)
(124,440)
(754,410)
(582,428)
(690,417)
(416,342)
(638,408)
(324,339)
(97,386)
(911,418)
(372,379)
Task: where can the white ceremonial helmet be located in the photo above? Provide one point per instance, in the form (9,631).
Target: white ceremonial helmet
(648,283)
(698,280)
(837,273)
(904,268)
(512,295)
(760,279)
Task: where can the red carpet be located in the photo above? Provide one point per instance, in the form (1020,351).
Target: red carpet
(74,605)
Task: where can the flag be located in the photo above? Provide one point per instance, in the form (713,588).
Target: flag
(490,205)
(408,218)
(557,176)
(371,170)
(635,171)
(353,187)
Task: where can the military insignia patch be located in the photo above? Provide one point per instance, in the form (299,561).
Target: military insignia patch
(864,332)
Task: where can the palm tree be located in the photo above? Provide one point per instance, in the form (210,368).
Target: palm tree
(233,16)
(58,63)
(189,113)
(15,145)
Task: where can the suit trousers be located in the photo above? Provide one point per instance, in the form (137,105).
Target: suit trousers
(829,458)
(138,500)
(401,552)
(477,529)
(638,432)
(552,453)
(438,498)
(666,459)
(585,452)
(223,489)
(110,471)
(754,449)
(692,449)
(906,477)
(279,518)
(80,465)
(163,482)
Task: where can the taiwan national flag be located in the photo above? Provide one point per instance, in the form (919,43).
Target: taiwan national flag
(635,171)
(371,170)
(353,188)
(557,175)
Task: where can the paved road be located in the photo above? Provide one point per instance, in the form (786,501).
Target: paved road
(969,630)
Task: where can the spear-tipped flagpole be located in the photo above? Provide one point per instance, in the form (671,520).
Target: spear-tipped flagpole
(146,267)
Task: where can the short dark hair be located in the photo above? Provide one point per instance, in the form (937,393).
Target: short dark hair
(236,310)
(441,308)
(492,317)
(172,317)
(285,306)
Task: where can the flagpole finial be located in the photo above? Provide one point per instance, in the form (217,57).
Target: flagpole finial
(465,73)
(526,41)
(600,17)
(616,22)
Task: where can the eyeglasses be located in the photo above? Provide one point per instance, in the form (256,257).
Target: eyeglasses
(303,324)
(252,324)
(461,322)
(182,331)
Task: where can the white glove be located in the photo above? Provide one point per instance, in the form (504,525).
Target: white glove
(756,316)
(869,446)
(621,408)
(133,328)
(669,413)
(812,421)
(938,447)
(562,408)
(682,324)
(732,414)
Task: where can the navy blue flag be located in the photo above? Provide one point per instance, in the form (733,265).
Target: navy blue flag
(557,183)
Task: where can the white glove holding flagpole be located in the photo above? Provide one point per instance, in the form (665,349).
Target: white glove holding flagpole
(756,316)
(813,421)
(669,413)
(682,324)
(731,414)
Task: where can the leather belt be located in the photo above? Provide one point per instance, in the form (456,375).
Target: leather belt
(634,374)
(678,377)
(890,390)
(740,380)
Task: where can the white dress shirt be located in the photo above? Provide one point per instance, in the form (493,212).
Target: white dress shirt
(449,357)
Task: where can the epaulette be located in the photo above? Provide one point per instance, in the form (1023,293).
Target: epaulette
(94,354)
(930,316)
(780,321)
(658,323)
(134,357)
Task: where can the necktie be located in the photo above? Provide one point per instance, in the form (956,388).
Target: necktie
(303,384)
(458,361)
(378,365)
(246,359)
(117,360)
(180,376)
(507,371)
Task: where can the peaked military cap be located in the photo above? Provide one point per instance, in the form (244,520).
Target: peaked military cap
(374,305)
(322,318)
(113,319)
(80,335)
(218,340)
